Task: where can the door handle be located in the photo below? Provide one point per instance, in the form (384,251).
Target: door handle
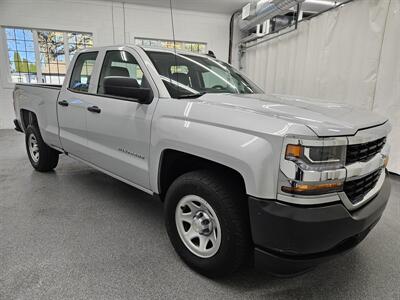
(94,109)
(63,103)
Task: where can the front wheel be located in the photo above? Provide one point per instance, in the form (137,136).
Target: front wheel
(42,157)
(207,223)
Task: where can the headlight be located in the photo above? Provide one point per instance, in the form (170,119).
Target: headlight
(313,167)
(316,158)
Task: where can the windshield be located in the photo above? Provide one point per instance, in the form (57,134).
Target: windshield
(186,75)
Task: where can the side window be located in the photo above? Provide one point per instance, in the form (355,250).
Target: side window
(121,64)
(80,78)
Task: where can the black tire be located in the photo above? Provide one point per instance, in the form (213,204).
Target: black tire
(48,158)
(230,205)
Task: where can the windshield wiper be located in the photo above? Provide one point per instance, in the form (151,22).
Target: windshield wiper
(191,96)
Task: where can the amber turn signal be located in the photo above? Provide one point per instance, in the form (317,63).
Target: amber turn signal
(293,151)
(308,189)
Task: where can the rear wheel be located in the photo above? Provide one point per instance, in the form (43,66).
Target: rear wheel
(42,157)
(207,222)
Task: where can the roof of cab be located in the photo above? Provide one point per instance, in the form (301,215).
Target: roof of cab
(156,49)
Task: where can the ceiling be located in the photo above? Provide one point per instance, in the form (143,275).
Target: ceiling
(216,6)
(220,6)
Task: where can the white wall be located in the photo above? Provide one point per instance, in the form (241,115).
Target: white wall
(350,55)
(106,21)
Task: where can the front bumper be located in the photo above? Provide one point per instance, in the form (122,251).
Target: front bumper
(290,238)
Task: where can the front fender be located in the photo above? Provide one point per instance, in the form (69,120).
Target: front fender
(254,157)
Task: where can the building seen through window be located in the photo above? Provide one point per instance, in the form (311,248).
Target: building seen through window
(195,47)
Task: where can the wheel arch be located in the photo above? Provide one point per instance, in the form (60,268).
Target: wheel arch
(174,163)
(28,117)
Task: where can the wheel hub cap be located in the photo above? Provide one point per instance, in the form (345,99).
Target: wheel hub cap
(198,226)
(33,148)
(202,223)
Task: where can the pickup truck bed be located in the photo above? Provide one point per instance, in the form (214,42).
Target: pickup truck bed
(42,99)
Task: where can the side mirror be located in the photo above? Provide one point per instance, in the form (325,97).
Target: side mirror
(127,88)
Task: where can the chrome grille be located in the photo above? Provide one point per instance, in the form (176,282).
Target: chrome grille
(357,189)
(364,152)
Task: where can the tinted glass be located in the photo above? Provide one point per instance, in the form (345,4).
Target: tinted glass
(121,64)
(82,73)
(185,74)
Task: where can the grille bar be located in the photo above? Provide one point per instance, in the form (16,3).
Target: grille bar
(363,152)
(357,189)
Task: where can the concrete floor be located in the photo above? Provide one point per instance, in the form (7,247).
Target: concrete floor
(76,233)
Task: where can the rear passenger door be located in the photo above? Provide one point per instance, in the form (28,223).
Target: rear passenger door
(118,128)
(72,105)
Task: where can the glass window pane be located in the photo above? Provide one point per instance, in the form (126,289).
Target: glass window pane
(22,56)
(43,58)
(122,64)
(31,57)
(202,48)
(42,45)
(28,35)
(17,56)
(62,68)
(10,56)
(32,68)
(45,68)
(10,34)
(89,41)
(33,78)
(71,38)
(19,34)
(12,45)
(82,72)
(29,46)
(58,37)
(20,45)
(187,46)
(12,66)
(195,47)
(72,48)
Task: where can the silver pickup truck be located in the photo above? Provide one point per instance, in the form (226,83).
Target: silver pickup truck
(244,177)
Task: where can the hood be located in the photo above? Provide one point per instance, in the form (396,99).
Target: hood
(324,118)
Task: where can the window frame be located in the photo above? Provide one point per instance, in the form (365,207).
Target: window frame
(103,65)
(93,87)
(141,64)
(5,67)
(75,60)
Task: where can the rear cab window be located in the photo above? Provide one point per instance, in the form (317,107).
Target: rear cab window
(82,72)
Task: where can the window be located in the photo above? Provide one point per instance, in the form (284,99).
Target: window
(80,79)
(21,55)
(121,64)
(187,74)
(180,45)
(52,56)
(77,41)
(40,56)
